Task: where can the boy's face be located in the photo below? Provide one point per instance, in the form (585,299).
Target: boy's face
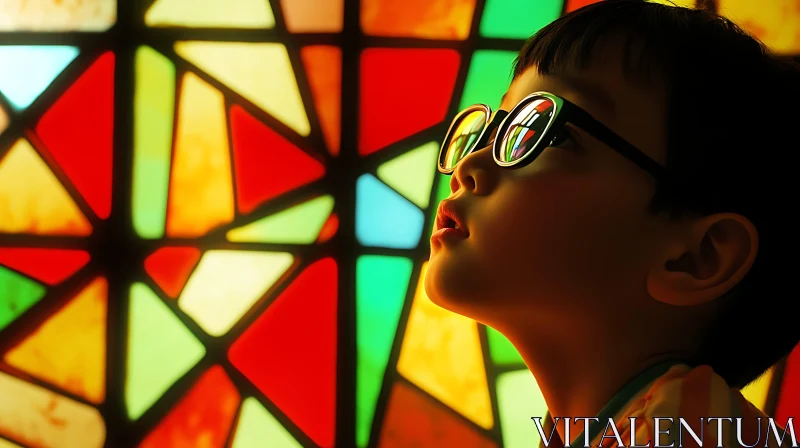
(570,231)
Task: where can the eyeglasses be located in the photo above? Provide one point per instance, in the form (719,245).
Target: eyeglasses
(530,127)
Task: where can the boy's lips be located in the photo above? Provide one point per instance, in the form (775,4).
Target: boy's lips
(448,216)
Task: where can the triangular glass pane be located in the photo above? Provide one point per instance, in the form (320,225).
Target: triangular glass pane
(29,69)
(160,350)
(300,224)
(412,173)
(226,284)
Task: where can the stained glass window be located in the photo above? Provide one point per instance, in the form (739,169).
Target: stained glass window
(214,218)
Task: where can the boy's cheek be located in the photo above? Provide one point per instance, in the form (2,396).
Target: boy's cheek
(561,230)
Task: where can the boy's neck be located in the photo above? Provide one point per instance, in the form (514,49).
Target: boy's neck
(578,380)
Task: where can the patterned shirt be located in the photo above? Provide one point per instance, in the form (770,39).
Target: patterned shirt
(697,395)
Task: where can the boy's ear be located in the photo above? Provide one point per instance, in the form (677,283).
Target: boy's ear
(704,260)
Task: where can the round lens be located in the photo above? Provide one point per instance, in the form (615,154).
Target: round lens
(526,128)
(465,133)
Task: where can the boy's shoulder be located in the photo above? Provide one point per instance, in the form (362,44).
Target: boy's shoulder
(688,405)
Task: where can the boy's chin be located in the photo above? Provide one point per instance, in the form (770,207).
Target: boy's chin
(452,291)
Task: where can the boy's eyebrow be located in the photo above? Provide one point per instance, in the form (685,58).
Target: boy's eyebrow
(593,93)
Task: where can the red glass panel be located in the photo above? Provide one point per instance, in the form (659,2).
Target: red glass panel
(572,5)
(403,91)
(413,419)
(289,353)
(78,132)
(789,398)
(50,266)
(170,267)
(266,164)
(203,418)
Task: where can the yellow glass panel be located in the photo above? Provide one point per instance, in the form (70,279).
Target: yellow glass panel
(441,353)
(774,22)
(313,16)
(226,284)
(37,417)
(32,200)
(757,391)
(69,349)
(57,15)
(211,13)
(3,120)
(201,188)
(260,72)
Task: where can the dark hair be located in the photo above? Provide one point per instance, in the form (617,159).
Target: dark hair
(732,118)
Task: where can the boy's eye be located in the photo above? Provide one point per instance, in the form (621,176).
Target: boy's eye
(564,139)
(492,136)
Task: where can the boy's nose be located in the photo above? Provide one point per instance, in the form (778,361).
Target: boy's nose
(475,173)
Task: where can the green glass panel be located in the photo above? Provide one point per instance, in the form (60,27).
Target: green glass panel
(501,349)
(17,294)
(442,192)
(518,19)
(298,225)
(258,428)
(488,78)
(519,399)
(160,350)
(412,173)
(381,285)
(154,106)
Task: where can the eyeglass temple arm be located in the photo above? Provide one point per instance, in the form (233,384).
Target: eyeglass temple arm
(585,121)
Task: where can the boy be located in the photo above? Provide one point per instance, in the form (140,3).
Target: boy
(624,219)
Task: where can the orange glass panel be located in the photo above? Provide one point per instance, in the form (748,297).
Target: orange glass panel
(69,349)
(412,419)
(201,188)
(37,417)
(324,70)
(203,418)
(432,19)
(32,200)
(441,353)
(3,120)
(313,16)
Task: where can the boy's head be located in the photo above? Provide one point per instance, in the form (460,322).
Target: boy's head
(584,242)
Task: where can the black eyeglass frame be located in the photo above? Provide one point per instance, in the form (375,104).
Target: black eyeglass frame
(565,112)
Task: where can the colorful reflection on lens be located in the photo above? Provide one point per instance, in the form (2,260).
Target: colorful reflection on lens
(526,129)
(463,138)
